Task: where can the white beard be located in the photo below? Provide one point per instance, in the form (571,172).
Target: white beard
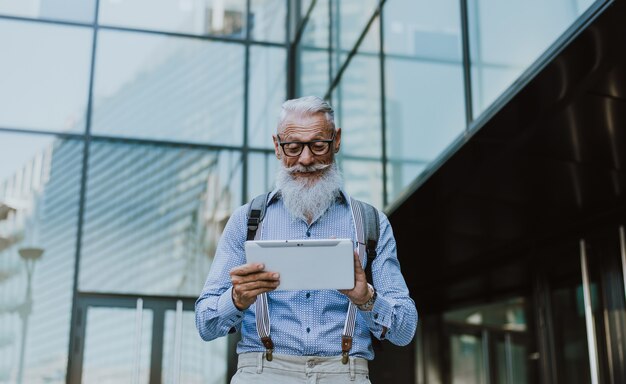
(304,201)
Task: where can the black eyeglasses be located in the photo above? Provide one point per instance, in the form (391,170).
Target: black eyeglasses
(295,148)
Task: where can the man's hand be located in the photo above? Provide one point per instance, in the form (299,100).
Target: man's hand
(250,280)
(360,293)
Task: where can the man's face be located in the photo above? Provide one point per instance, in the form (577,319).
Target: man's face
(304,129)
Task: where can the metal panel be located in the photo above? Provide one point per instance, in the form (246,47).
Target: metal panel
(591,334)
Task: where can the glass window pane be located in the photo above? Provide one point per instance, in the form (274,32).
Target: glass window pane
(267,92)
(357,100)
(112,340)
(467,359)
(364,180)
(313,78)
(508,315)
(425,110)
(400,174)
(567,311)
(370,45)
(317,29)
(500,38)
(268,20)
(44,76)
(261,173)
(350,18)
(153,216)
(168,88)
(197,17)
(423,29)
(186,357)
(67,10)
(424,95)
(39,197)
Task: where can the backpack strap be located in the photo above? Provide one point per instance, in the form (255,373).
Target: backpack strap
(371,229)
(256,213)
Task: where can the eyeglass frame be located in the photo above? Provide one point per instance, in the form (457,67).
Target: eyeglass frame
(307,144)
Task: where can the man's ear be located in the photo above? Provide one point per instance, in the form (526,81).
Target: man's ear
(276,146)
(337,139)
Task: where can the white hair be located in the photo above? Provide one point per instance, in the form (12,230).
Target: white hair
(306,106)
(305,200)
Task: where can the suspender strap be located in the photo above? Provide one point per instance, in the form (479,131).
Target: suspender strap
(350,323)
(256,213)
(255,220)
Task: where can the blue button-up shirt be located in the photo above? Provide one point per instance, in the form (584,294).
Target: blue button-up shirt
(306,323)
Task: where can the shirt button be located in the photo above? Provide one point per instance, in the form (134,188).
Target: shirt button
(308,233)
(310,364)
(376,316)
(308,294)
(308,329)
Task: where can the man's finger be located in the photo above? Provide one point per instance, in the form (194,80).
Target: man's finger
(246,269)
(258,276)
(357,263)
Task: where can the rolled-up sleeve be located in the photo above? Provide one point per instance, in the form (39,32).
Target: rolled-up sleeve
(393,310)
(216,314)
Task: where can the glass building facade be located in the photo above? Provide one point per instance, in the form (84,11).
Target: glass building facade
(130,129)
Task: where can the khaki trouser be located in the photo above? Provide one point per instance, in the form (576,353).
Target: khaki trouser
(285,369)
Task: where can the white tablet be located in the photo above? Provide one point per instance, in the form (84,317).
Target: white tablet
(306,264)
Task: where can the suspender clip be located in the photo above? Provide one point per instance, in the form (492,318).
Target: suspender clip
(269,347)
(346,345)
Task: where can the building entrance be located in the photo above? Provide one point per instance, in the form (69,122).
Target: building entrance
(133,339)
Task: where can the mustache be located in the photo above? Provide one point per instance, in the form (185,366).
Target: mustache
(307,169)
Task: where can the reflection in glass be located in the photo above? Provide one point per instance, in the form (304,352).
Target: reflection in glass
(570,335)
(424,85)
(400,174)
(186,357)
(117,349)
(510,360)
(357,99)
(425,111)
(490,343)
(196,17)
(350,19)
(154,215)
(39,195)
(508,315)
(168,88)
(44,76)
(313,76)
(267,92)
(364,180)
(268,20)
(423,29)
(261,173)
(66,10)
(467,359)
(317,29)
(501,40)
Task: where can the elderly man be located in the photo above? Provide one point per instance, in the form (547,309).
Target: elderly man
(306,326)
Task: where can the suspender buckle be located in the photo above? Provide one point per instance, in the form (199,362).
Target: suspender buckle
(269,347)
(346,345)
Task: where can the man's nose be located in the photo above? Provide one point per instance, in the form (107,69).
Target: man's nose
(306,158)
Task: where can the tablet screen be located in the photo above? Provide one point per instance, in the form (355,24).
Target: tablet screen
(306,264)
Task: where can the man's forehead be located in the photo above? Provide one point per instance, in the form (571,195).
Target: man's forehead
(296,121)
